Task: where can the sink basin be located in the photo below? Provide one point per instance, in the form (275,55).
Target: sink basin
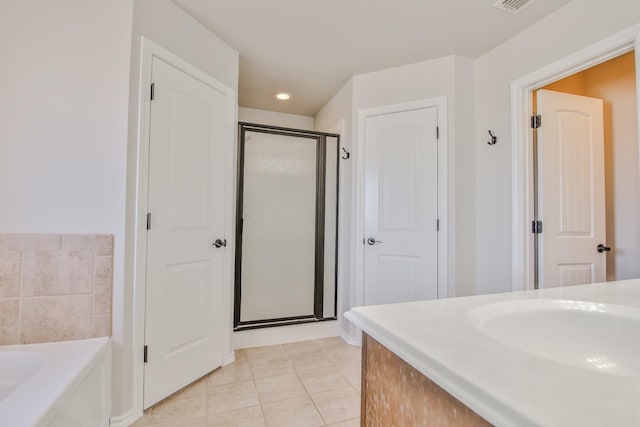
(599,337)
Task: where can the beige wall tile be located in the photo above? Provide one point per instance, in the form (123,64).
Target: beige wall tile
(26,242)
(104,270)
(9,315)
(63,318)
(10,273)
(49,273)
(101,326)
(102,300)
(102,244)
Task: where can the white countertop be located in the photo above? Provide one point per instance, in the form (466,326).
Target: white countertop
(502,383)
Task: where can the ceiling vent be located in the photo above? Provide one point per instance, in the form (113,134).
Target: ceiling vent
(512,6)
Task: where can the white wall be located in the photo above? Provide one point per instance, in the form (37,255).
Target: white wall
(573,27)
(337,117)
(169,26)
(63,128)
(452,77)
(273,118)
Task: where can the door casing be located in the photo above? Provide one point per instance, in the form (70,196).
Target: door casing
(358,230)
(521,134)
(148,51)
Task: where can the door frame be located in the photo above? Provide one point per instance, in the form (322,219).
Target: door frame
(148,51)
(522,159)
(440,103)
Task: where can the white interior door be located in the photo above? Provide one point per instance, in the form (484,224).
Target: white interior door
(571,190)
(190,131)
(401,207)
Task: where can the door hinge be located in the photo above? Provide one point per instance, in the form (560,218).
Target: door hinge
(148,220)
(536,121)
(536,227)
(437,132)
(145,354)
(437,225)
(153,91)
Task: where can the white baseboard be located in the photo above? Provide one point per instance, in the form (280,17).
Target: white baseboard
(231,357)
(349,339)
(285,334)
(123,420)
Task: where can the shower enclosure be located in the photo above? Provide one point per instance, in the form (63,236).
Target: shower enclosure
(287,226)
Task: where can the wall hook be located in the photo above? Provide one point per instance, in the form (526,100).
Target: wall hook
(494,139)
(346,154)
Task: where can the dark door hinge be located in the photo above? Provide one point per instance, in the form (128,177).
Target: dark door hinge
(437,225)
(146,352)
(437,132)
(153,91)
(148,220)
(536,227)
(536,121)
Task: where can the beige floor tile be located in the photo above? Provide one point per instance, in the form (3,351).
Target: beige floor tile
(312,359)
(297,412)
(229,397)
(343,354)
(198,422)
(240,355)
(337,406)
(279,387)
(237,372)
(267,352)
(355,422)
(300,347)
(323,379)
(188,404)
(142,421)
(351,372)
(246,417)
(270,366)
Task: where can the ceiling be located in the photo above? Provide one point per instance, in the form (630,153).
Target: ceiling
(312,48)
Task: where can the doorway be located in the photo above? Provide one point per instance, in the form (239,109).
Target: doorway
(598,60)
(615,191)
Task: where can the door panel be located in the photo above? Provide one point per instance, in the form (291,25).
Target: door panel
(401,206)
(190,131)
(571,185)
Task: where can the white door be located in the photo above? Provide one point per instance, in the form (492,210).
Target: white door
(401,207)
(571,190)
(190,131)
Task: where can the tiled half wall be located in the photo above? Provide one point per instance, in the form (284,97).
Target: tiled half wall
(55,287)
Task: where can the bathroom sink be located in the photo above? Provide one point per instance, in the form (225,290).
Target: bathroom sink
(594,336)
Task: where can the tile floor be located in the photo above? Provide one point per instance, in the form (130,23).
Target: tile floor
(305,384)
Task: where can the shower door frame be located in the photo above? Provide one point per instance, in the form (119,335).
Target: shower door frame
(321,152)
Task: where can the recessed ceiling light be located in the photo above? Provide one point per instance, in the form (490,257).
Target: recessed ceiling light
(282,96)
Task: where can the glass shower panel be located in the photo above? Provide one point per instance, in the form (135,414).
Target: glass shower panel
(279,226)
(330,227)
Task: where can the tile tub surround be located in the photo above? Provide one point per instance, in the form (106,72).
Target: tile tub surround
(55,287)
(507,383)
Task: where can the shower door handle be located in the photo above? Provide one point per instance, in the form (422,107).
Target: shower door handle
(371,241)
(219,243)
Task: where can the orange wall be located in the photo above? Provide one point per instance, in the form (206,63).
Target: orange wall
(615,83)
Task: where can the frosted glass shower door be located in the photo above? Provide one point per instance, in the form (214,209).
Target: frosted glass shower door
(278,226)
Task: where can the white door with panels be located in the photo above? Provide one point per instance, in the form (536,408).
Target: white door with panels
(191,129)
(401,206)
(571,191)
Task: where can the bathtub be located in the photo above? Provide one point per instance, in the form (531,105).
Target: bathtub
(56,384)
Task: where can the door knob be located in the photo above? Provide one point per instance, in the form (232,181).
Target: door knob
(219,243)
(372,241)
(603,248)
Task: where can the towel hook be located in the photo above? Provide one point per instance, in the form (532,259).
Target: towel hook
(346,154)
(494,139)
